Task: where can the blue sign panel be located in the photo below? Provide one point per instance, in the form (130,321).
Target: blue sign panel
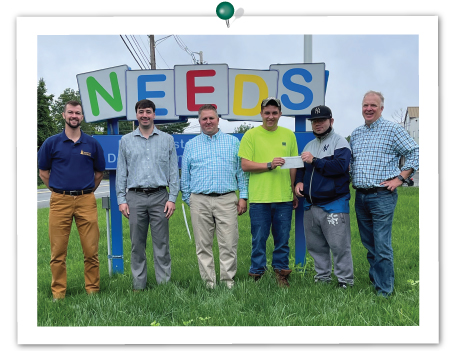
(110,145)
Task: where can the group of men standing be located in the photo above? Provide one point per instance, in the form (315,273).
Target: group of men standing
(215,165)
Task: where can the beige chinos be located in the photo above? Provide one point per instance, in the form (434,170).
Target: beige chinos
(219,213)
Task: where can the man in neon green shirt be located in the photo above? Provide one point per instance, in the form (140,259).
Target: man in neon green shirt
(270,189)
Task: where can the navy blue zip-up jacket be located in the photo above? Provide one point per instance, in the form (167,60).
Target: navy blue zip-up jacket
(327,178)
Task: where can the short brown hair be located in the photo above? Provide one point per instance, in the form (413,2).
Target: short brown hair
(207,107)
(72,103)
(145,103)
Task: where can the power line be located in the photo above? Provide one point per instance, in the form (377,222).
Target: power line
(159,41)
(130,51)
(135,50)
(162,58)
(140,49)
(144,45)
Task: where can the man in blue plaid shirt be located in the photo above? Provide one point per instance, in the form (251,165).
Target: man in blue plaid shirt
(210,175)
(376,150)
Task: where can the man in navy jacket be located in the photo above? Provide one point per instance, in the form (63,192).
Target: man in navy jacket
(324,182)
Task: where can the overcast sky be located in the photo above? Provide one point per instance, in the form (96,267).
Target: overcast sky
(357,63)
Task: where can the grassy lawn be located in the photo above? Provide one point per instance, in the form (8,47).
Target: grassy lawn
(186,302)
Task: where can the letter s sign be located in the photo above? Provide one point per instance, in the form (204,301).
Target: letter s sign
(301,87)
(305,91)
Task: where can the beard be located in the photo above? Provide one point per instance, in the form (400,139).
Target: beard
(71,125)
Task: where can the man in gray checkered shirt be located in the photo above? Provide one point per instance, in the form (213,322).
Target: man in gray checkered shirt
(147,164)
(376,150)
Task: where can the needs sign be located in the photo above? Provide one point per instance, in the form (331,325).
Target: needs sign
(236,93)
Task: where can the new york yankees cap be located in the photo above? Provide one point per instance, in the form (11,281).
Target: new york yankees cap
(320,111)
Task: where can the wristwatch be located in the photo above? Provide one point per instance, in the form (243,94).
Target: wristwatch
(269,166)
(401,178)
(313,160)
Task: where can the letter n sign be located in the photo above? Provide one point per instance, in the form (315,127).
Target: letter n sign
(103,94)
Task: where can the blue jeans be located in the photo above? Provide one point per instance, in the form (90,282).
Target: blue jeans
(277,215)
(375,213)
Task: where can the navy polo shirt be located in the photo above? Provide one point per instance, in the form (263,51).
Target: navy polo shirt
(71,165)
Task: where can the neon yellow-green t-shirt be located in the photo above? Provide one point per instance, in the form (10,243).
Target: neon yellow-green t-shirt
(260,145)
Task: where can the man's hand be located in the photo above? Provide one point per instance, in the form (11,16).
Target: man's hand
(277,161)
(295,202)
(392,184)
(125,210)
(307,157)
(242,206)
(298,188)
(169,209)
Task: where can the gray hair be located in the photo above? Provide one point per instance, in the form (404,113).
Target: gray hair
(207,107)
(375,93)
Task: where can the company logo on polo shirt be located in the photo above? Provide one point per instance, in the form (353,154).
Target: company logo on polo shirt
(85,153)
(283,143)
(326,147)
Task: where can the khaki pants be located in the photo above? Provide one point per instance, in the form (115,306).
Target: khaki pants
(63,208)
(220,214)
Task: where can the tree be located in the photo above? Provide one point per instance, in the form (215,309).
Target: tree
(58,108)
(173,128)
(46,125)
(242,128)
(399,117)
(348,139)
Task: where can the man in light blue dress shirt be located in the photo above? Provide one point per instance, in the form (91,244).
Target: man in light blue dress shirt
(376,150)
(147,163)
(210,175)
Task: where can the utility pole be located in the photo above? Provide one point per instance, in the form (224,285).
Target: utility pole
(307,48)
(152,51)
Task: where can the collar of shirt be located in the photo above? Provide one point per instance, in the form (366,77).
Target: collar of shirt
(323,137)
(214,137)
(81,140)
(375,124)
(137,132)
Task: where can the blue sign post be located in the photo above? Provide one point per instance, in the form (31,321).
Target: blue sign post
(110,145)
(303,138)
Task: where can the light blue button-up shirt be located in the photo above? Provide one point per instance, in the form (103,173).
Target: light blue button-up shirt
(147,163)
(212,165)
(376,151)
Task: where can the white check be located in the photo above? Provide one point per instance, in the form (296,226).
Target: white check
(292,162)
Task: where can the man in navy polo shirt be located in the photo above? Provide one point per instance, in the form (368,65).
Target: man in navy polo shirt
(71,165)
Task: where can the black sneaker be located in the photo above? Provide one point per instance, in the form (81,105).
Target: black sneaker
(343,285)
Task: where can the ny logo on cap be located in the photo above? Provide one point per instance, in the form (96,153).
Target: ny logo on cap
(317,110)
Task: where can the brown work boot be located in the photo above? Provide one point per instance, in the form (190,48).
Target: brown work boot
(256,277)
(282,275)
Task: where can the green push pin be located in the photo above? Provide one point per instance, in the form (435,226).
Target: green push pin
(225,11)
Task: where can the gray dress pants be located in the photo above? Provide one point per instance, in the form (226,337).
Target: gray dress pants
(145,209)
(325,232)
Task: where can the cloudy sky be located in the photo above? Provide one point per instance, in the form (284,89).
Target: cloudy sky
(357,63)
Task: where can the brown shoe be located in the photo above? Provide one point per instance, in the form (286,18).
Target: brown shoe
(256,277)
(282,275)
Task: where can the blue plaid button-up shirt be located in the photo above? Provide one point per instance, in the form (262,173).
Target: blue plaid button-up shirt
(212,165)
(376,151)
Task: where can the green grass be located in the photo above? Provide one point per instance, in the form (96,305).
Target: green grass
(186,302)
